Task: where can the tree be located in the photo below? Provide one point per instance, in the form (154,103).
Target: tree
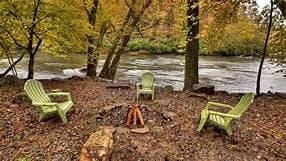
(92,54)
(264,49)
(26,24)
(192,46)
(282,6)
(121,40)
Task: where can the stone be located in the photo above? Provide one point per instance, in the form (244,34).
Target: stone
(108,108)
(57,79)
(9,80)
(83,70)
(121,130)
(99,146)
(157,129)
(123,105)
(284,75)
(203,88)
(21,98)
(170,115)
(280,94)
(143,130)
(169,88)
(75,77)
(159,89)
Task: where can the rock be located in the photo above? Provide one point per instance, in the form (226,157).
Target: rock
(157,129)
(111,107)
(108,108)
(123,105)
(169,88)
(159,89)
(122,130)
(203,88)
(76,78)
(284,75)
(99,146)
(143,130)
(57,80)
(221,93)
(83,70)
(21,98)
(280,94)
(99,79)
(170,115)
(9,80)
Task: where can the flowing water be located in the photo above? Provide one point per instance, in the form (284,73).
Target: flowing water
(233,74)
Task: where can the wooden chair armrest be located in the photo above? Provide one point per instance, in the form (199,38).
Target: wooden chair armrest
(56,90)
(218,105)
(138,84)
(224,114)
(44,104)
(61,94)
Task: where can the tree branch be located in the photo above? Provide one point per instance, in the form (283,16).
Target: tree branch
(85,8)
(15,40)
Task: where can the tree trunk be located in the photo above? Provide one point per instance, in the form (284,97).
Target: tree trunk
(192,47)
(91,58)
(112,61)
(31,67)
(92,55)
(115,62)
(12,66)
(264,50)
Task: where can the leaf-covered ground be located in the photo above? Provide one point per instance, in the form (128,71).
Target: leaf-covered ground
(259,135)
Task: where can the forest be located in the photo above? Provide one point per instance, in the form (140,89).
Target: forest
(191,56)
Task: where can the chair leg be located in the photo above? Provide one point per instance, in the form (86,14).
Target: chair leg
(203,120)
(228,131)
(153,96)
(42,117)
(137,97)
(63,116)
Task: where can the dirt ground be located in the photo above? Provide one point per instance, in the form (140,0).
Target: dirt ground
(259,135)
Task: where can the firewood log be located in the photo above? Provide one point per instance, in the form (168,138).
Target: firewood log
(140,116)
(129,115)
(134,116)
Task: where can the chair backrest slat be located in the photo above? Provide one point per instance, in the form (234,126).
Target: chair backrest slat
(36,92)
(147,80)
(243,104)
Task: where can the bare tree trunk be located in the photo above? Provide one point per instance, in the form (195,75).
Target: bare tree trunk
(31,66)
(110,66)
(264,49)
(192,47)
(115,62)
(32,34)
(12,65)
(92,55)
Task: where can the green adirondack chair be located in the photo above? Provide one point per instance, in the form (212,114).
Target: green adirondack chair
(34,89)
(223,120)
(146,85)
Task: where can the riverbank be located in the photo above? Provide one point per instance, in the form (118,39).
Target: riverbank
(258,135)
(177,46)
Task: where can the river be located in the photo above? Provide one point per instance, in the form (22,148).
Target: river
(232,74)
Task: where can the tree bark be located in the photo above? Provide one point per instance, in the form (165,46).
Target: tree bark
(31,66)
(192,47)
(112,61)
(92,55)
(12,66)
(32,34)
(281,4)
(264,49)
